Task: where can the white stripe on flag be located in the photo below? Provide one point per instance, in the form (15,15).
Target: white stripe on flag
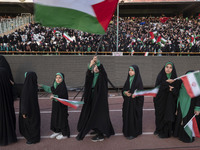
(194,84)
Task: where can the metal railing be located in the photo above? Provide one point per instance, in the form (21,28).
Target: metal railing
(11,24)
(99,53)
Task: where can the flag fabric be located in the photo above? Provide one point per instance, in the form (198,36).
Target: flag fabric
(56,32)
(152,37)
(164,19)
(191,82)
(67,37)
(86,15)
(146,53)
(73,104)
(191,128)
(151,92)
(163,40)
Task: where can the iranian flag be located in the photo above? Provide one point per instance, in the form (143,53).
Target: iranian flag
(67,37)
(146,53)
(151,92)
(191,128)
(91,16)
(73,104)
(191,82)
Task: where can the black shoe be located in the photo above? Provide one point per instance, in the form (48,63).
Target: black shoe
(155,133)
(28,142)
(162,136)
(130,137)
(93,133)
(78,139)
(97,138)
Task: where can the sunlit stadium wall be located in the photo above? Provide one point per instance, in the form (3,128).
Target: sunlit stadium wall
(74,67)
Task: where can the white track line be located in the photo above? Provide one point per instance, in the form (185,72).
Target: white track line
(78,111)
(116,134)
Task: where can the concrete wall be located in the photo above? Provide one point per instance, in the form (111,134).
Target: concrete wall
(74,67)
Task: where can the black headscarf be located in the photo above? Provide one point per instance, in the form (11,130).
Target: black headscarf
(95,111)
(162,77)
(4,64)
(59,115)
(132,111)
(7,112)
(30,126)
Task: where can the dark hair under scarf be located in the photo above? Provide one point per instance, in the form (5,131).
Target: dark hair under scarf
(162,77)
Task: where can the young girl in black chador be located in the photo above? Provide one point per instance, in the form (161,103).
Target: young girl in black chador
(7,112)
(95,112)
(59,115)
(29,117)
(186,108)
(132,106)
(165,101)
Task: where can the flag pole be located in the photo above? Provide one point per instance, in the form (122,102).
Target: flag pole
(185,75)
(190,120)
(117,27)
(101,38)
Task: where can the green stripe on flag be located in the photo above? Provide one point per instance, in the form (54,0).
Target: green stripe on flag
(197,76)
(188,131)
(69,18)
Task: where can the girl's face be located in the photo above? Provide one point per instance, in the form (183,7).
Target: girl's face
(59,79)
(96,70)
(131,72)
(168,69)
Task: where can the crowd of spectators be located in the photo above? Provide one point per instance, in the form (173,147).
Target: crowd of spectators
(179,34)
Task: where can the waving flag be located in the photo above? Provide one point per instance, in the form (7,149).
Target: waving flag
(191,128)
(73,104)
(191,82)
(152,37)
(67,37)
(91,16)
(151,92)
(164,19)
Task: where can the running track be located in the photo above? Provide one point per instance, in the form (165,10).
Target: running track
(145,141)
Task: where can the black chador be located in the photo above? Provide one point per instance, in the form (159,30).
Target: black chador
(165,101)
(186,107)
(95,112)
(132,107)
(5,64)
(7,112)
(29,117)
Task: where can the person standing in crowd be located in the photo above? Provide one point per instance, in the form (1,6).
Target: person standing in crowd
(29,117)
(132,106)
(186,108)
(165,101)
(95,111)
(7,112)
(59,115)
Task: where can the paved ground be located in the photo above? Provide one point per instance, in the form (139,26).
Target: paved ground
(146,141)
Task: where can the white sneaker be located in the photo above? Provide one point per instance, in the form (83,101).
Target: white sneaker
(54,135)
(60,137)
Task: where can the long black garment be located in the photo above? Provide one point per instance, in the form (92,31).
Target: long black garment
(7,112)
(165,104)
(59,115)
(95,111)
(5,64)
(182,121)
(132,107)
(30,126)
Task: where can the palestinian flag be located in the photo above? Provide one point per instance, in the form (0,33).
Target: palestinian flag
(191,82)
(67,37)
(56,32)
(151,92)
(73,104)
(191,128)
(91,16)
(163,40)
(152,37)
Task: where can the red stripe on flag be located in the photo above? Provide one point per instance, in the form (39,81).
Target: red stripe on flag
(195,127)
(67,104)
(187,86)
(104,11)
